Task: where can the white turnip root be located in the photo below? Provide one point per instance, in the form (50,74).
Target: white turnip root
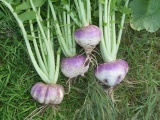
(88,37)
(112,73)
(74,66)
(47,93)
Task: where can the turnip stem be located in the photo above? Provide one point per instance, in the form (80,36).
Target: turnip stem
(102,44)
(78,11)
(113,34)
(73,41)
(121,28)
(69,34)
(41,63)
(50,44)
(51,65)
(58,31)
(57,67)
(110,43)
(104,52)
(36,66)
(109,24)
(42,48)
(65,25)
(82,12)
(106,27)
(48,27)
(48,23)
(62,42)
(67,7)
(88,11)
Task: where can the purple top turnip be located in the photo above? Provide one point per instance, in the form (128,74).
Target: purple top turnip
(74,66)
(112,73)
(41,53)
(88,37)
(47,93)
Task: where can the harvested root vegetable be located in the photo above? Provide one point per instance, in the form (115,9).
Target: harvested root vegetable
(114,70)
(88,37)
(41,51)
(74,66)
(47,93)
(112,73)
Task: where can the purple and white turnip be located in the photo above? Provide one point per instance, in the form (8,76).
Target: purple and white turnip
(113,71)
(47,93)
(41,52)
(73,65)
(87,35)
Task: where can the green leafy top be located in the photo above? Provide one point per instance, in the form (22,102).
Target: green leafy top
(37,33)
(111,31)
(26,5)
(145,15)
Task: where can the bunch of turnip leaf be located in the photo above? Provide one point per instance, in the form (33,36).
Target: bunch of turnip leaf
(37,28)
(35,32)
(113,71)
(73,65)
(88,35)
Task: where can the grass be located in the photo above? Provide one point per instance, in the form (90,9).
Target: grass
(138,94)
(140,90)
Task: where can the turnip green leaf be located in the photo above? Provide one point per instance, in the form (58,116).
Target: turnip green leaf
(96,13)
(23,6)
(29,15)
(9,1)
(54,0)
(125,10)
(30,37)
(64,2)
(38,3)
(27,5)
(101,1)
(145,15)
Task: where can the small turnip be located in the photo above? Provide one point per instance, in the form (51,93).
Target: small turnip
(88,37)
(47,93)
(112,73)
(73,66)
(114,70)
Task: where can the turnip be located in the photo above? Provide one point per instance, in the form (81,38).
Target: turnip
(69,66)
(88,35)
(73,65)
(113,71)
(41,52)
(47,93)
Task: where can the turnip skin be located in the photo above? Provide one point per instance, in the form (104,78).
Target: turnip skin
(112,73)
(88,37)
(74,66)
(47,93)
